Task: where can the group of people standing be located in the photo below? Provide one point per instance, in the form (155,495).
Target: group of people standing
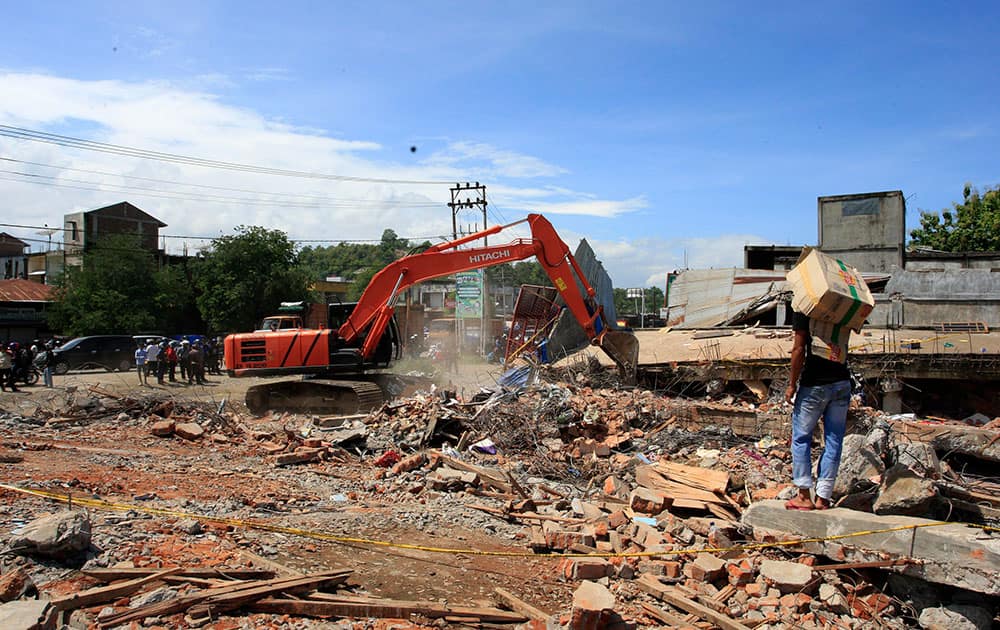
(16,362)
(163,358)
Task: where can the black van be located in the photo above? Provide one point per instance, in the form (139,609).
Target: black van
(111,352)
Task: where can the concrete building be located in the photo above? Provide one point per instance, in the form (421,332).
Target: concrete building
(22,310)
(83,229)
(13,257)
(939,298)
(921,259)
(867,230)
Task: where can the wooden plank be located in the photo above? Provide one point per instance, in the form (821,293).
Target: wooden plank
(654,587)
(696,476)
(184,602)
(487,475)
(112,575)
(103,594)
(271,565)
(520,606)
(221,603)
(649,477)
(669,618)
(384,609)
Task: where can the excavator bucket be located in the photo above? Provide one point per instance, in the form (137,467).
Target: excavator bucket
(623,348)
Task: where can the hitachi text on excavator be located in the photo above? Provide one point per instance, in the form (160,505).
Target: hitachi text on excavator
(353,352)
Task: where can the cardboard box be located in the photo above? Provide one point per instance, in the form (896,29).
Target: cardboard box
(829,290)
(829,341)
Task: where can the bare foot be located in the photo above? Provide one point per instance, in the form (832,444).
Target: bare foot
(822,504)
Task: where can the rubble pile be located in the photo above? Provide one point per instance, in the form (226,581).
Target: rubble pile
(616,514)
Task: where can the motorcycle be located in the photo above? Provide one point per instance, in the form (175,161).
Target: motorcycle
(29,377)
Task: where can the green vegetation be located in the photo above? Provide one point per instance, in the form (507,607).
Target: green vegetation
(970,226)
(631,306)
(236,282)
(116,291)
(242,278)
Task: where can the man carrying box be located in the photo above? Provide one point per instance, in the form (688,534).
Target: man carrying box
(829,300)
(820,386)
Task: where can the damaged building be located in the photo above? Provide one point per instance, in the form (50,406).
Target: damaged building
(928,346)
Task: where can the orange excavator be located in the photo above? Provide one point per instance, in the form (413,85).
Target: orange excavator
(364,338)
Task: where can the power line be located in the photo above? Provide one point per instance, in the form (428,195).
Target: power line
(211,238)
(116,149)
(35,178)
(224,188)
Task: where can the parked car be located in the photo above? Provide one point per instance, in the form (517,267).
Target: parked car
(111,352)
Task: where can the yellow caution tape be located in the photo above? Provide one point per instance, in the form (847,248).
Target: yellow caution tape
(294,531)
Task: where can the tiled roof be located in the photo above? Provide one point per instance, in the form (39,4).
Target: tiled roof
(24,291)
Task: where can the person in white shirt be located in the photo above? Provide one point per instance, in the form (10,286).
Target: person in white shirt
(152,358)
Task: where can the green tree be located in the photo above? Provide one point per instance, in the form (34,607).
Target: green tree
(176,303)
(113,292)
(243,278)
(970,226)
(518,273)
(625,305)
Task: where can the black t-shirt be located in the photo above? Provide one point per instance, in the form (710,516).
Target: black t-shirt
(817,370)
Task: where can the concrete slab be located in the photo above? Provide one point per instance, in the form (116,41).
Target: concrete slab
(26,614)
(951,554)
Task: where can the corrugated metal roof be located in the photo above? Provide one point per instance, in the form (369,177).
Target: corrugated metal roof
(707,297)
(24,291)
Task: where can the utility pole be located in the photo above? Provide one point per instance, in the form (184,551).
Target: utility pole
(467,197)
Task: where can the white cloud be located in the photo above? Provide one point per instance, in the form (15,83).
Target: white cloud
(495,162)
(166,117)
(645,262)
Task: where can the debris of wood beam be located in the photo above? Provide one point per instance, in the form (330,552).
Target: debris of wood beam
(669,618)
(103,594)
(392,609)
(520,606)
(218,604)
(112,575)
(657,589)
(185,602)
(266,563)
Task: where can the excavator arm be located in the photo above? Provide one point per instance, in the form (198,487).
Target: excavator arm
(375,307)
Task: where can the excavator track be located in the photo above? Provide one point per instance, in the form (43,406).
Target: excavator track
(314,395)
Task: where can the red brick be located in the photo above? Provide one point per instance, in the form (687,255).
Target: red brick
(740,573)
(409,463)
(671,569)
(755,589)
(189,430)
(617,519)
(615,487)
(590,568)
(705,568)
(878,603)
(15,584)
(647,501)
(163,428)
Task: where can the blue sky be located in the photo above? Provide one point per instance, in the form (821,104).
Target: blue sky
(657,130)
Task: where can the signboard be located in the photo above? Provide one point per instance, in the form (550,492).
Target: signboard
(469,294)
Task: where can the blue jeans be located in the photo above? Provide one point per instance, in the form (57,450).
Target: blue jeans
(829,402)
(47,376)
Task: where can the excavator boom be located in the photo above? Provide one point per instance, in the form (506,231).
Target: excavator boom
(375,307)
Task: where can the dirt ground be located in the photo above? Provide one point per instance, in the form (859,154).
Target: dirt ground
(123,462)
